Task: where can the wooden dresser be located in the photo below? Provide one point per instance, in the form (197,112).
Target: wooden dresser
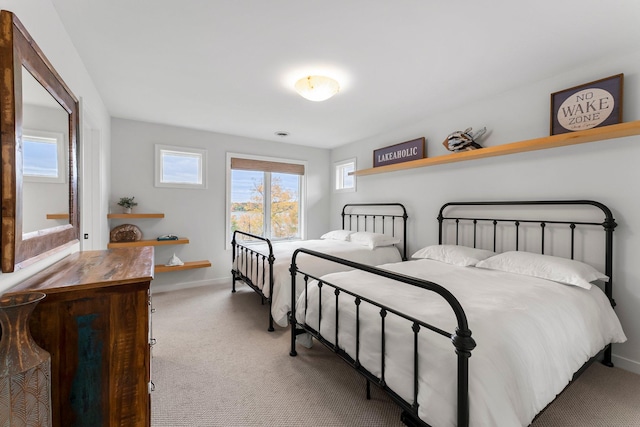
(95,322)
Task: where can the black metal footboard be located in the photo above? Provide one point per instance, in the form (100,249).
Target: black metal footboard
(461,340)
(248,263)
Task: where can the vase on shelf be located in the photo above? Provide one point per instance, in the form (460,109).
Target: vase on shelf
(25,368)
(126,210)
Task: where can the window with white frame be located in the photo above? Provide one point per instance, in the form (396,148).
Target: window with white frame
(43,156)
(343,181)
(265,196)
(180,167)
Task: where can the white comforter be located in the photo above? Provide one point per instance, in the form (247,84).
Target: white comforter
(531,335)
(283,251)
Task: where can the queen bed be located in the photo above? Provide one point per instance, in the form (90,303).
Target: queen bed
(371,234)
(470,333)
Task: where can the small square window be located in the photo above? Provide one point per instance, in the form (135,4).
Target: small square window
(343,180)
(43,156)
(180,167)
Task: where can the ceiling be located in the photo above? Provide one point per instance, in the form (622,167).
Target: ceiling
(229,66)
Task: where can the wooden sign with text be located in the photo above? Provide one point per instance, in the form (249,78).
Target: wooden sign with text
(587,106)
(398,153)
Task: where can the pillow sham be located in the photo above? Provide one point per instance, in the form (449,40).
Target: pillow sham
(561,270)
(373,240)
(462,256)
(337,235)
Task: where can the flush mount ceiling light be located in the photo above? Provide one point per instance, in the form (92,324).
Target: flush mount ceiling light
(317,88)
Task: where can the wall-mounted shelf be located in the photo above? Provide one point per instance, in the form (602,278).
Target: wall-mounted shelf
(58,216)
(159,268)
(187,266)
(138,243)
(135,215)
(597,134)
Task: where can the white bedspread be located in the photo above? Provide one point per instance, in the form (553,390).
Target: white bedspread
(531,335)
(283,251)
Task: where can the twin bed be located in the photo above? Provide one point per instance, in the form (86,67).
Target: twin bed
(485,328)
(372,234)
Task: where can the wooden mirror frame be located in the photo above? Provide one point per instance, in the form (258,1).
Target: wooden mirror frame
(18,49)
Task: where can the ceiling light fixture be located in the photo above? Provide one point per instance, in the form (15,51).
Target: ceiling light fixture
(317,88)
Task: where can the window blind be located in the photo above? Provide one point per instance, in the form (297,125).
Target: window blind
(266,166)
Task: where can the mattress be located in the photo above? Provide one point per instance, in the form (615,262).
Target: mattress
(283,251)
(532,335)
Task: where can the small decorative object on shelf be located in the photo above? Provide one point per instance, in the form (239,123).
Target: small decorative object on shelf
(167,237)
(125,233)
(173,261)
(25,368)
(127,203)
(463,140)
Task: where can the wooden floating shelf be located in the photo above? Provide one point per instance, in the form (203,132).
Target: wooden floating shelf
(138,243)
(186,266)
(135,215)
(58,216)
(571,138)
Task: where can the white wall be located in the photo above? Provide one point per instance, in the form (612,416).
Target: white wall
(41,21)
(605,171)
(199,214)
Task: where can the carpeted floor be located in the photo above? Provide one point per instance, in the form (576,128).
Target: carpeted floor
(215,364)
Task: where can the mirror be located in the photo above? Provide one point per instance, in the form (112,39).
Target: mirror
(45,136)
(26,123)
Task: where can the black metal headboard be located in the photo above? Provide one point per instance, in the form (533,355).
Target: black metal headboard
(608,224)
(380,218)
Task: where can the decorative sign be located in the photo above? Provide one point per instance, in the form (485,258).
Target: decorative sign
(398,153)
(587,106)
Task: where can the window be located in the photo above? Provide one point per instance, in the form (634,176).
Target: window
(265,196)
(180,167)
(343,181)
(43,156)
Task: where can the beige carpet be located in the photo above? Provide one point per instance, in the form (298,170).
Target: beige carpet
(215,364)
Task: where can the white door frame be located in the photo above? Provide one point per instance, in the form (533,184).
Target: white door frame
(92,215)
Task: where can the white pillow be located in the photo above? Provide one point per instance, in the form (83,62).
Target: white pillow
(462,256)
(373,240)
(562,270)
(337,235)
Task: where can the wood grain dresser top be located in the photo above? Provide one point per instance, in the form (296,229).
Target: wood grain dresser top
(93,269)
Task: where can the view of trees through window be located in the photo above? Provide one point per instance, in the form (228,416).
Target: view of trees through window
(257,195)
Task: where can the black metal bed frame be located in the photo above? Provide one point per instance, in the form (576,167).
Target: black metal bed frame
(461,339)
(255,261)
(608,224)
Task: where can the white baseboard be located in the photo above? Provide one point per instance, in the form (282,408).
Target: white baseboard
(156,289)
(626,364)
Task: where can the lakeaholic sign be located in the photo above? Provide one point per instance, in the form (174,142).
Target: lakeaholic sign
(398,153)
(587,106)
